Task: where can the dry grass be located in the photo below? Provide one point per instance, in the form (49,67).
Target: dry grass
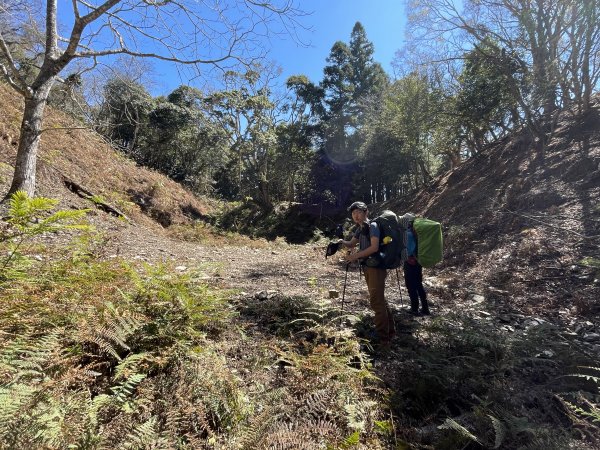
(148,197)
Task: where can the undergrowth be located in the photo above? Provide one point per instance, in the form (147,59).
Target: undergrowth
(468,384)
(106,354)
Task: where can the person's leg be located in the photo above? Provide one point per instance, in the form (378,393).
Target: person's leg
(410,278)
(420,289)
(384,322)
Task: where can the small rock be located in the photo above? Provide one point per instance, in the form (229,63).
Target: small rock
(591,337)
(334,293)
(274,252)
(181,268)
(38,257)
(477,298)
(262,295)
(545,354)
(498,291)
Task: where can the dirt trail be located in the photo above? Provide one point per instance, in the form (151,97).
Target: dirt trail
(291,270)
(262,269)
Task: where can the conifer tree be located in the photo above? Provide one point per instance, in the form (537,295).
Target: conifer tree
(352,79)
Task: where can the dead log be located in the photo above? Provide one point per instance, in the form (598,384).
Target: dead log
(82,192)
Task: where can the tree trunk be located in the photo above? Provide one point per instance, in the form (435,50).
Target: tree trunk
(31,129)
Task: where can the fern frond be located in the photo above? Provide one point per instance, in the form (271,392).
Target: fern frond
(451,424)
(499,431)
(142,436)
(13,399)
(593,413)
(96,405)
(124,390)
(317,403)
(25,357)
(595,379)
(22,207)
(113,334)
(131,364)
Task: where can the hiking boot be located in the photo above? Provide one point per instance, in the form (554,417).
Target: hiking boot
(425,312)
(414,312)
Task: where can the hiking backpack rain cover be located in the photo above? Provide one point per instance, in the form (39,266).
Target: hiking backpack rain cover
(429,241)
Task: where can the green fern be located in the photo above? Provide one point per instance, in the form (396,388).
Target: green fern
(594,378)
(14,400)
(592,413)
(144,436)
(27,218)
(132,364)
(499,431)
(123,391)
(453,425)
(112,336)
(585,407)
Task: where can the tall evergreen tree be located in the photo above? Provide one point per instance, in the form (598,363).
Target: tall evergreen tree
(352,79)
(368,77)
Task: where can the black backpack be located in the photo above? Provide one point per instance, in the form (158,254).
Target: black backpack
(392,242)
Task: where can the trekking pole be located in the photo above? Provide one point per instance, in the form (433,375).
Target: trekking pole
(344,290)
(399,289)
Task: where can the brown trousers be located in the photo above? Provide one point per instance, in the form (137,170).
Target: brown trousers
(384,321)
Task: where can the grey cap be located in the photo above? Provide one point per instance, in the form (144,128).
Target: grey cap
(358,205)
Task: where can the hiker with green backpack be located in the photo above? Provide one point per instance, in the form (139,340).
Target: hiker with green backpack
(367,235)
(413,270)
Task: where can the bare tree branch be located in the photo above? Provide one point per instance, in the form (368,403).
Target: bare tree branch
(11,74)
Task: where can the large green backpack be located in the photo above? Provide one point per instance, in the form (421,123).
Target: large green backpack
(393,240)
(429,241)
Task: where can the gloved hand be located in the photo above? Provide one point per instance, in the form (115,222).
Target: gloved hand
(332,249)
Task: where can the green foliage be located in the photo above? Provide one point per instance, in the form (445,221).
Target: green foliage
(485,102)
(106,354)
(247,114)
(28,218)
(585,402)
(397,134)
(124,112)
(591,262)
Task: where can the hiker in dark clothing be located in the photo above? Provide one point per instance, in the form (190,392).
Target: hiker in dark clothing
(413,276)
(367,236)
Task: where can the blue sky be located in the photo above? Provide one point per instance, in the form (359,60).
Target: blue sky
(333,20)
(329,21)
